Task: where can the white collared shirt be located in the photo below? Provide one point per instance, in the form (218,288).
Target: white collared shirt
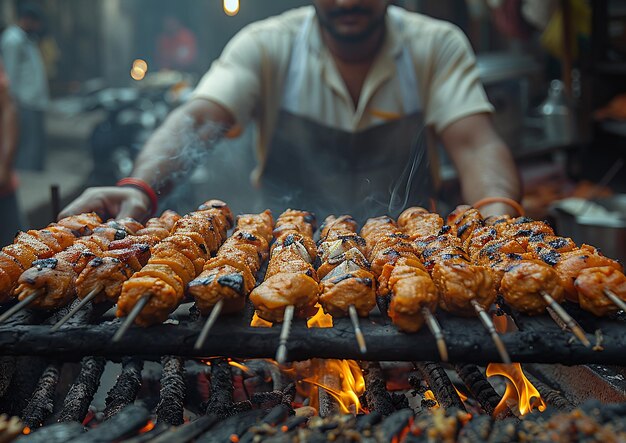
(248,77)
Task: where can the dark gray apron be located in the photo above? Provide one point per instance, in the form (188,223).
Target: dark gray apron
(380,170)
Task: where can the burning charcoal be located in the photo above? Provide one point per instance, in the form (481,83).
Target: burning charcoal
(393,425)
(56,433)
(438,425)
(267,400)
(126,388)
(376,395)
(23,385)
(126,422)
(476,430)
(367,421)
(503,431)
(399,400)
(221,389)
(41,403)
(172,394)
(83,389)
(479,387)
(267,426)
(440,384)
(232,427)
(289,393)
(550,396)
(188,432)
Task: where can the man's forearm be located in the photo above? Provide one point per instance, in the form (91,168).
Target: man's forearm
(174,149)
(484,163)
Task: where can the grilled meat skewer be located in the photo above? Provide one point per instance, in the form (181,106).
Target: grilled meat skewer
(230,275)
(33,245)
(124,257)
(56,276)
(290,279)
(346,279)
(163,280)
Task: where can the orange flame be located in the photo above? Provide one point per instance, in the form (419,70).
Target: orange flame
(148,427)
(258,322)
(26,430)
(342,379)
(428,395)
(238,365)
(519,389)
(320,320)
(462,396)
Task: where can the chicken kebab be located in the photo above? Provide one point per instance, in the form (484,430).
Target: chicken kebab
(347,286)
(40,244)
(400,274)
(228,278)
(54,278)
(465,288)
(587,277)
(101,280)
(155,291)
(291,286)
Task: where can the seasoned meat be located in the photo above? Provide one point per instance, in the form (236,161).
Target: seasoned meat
(459,283)
(283,289)
(523,283)
(590,284)
(56,277)
(163,299)
(106,273)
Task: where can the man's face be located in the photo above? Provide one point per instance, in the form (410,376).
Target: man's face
(351,20)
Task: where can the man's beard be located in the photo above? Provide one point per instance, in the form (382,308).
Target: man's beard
(374,26)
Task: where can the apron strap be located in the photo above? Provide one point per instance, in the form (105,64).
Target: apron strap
(405,68)
(297,67)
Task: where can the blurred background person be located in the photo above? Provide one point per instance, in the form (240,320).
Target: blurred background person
(176,46)
(29,84)
(10,222)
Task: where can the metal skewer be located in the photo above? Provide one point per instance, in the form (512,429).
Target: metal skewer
(435,329)
(358,333)
(210,321)
(281,351)
(561,313)
(488,323)
(615,299)
(77,308)
(21,305)
(128,321)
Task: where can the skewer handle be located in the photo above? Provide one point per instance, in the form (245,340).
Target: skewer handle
(615,299)
(20,305)
(567,319)
(210,321)
(358,333)
(497,340)
(281,351)
(435,329)
(76,308)
(128,321)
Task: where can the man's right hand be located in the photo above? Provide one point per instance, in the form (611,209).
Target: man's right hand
(112,201)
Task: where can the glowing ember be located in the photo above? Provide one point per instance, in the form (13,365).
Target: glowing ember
(501,323)
(234,438)
(258,322)
(239,366)
(342,379)
(462,396)
(403,433)
(428,395)
(148,427)
(320,320)
(26,430)
(519,389)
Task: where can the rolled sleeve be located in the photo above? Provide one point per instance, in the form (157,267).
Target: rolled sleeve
(456,91)
(233,80)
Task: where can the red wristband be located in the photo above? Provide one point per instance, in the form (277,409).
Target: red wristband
(145,188)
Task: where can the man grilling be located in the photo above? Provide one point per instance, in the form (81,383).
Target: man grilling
(340,92)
